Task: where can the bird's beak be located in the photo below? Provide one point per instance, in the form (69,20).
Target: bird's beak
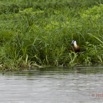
(72,42)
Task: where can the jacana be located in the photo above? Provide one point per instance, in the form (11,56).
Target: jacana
(75,46)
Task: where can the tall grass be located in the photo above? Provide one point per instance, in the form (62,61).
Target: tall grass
(40,32)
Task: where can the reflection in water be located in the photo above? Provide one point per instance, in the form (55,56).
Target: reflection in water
(60,86)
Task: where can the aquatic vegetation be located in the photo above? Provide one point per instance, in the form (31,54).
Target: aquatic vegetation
(39,33)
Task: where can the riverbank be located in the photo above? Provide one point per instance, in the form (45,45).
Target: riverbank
(40,33)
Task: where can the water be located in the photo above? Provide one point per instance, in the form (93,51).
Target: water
(48,86)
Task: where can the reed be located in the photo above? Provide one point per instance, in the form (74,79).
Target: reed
(40,33)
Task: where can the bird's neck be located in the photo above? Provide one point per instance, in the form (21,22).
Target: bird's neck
(75,45)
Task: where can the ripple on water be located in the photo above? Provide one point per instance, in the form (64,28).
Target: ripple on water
(52,87)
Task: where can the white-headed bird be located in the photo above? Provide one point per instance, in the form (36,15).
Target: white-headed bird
(75,46)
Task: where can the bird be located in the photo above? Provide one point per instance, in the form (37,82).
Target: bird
(75,46)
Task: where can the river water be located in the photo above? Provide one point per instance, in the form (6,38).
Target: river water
(78,85)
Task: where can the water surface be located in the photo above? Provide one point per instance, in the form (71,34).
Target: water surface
(79,85)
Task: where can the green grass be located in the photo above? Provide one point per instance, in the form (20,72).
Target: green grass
(39,32)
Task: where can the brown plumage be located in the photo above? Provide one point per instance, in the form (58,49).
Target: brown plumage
(75,47)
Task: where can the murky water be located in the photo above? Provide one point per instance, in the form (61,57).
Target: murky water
(82,85)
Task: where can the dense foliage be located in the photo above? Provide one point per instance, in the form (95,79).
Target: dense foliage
(40,32)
